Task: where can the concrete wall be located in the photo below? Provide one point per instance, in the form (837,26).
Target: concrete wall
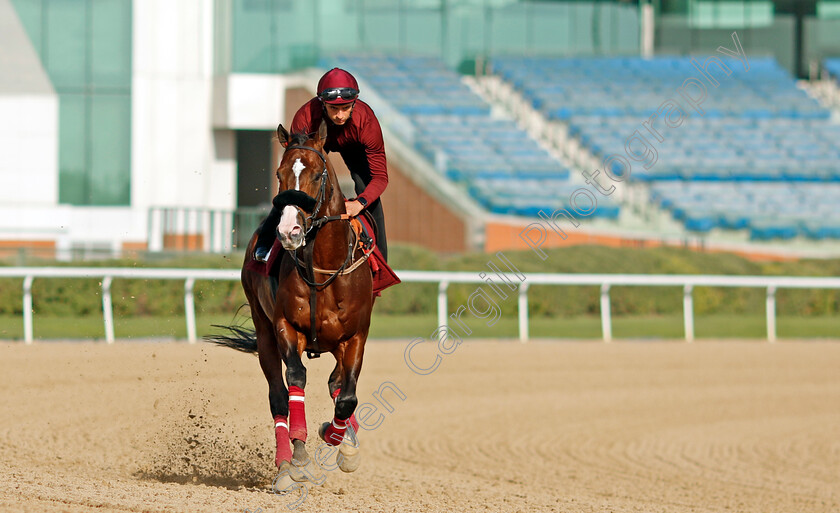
(171,91)
(29,150)
(177,157)
(28,127)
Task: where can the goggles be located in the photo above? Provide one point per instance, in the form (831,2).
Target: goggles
(345,93)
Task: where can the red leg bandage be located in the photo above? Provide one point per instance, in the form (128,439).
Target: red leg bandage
(297,414)
(281,433)
(335,432)
(353,421)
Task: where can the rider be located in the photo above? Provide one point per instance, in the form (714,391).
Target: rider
(354,132)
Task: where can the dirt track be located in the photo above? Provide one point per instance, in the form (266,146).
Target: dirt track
(578,427)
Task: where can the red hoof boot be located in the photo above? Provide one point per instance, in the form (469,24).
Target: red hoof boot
(333,432)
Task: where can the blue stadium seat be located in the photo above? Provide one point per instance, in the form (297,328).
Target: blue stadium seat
(760,132)
(499,164)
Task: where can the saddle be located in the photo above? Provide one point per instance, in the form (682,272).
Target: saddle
(364,227)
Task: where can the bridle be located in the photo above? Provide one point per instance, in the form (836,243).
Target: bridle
(311,222)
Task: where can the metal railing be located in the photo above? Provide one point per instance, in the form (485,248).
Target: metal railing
(605,281)
(202,229)
(107,275)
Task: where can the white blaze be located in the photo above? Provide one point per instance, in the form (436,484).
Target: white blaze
(288,220)
(297,167)
(289,225)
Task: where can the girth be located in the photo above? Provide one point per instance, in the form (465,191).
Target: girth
(306,271)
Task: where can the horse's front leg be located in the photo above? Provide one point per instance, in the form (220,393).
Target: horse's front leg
(296,378)
(303,467)
(335,381)
(271,363)
(347,374)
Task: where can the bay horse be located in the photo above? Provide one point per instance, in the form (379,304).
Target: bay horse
(319,301)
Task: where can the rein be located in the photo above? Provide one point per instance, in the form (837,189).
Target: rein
(305,266)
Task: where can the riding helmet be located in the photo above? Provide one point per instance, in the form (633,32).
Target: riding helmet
(337,87)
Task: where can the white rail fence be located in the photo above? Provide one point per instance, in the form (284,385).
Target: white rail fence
(605,281)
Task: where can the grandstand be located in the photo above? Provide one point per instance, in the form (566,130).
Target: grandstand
(761,162)
(496,162)
(832,66)
(748,163)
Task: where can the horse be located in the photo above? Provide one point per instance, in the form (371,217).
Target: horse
(319,301)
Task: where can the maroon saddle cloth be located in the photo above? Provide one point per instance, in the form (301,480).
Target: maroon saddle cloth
(382,274)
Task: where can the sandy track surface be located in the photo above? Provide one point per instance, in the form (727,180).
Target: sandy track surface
(578,427)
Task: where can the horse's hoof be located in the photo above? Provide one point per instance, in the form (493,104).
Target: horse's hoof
(301,471)
(296,473)
(303,468)
(349,458)
(283,483)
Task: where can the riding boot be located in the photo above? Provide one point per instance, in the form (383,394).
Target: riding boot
(376,212)
(267,235)
(378,215)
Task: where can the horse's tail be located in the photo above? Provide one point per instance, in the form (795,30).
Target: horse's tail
(239,338)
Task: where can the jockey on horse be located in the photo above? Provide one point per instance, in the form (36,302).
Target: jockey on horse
(354,132)
(320,297)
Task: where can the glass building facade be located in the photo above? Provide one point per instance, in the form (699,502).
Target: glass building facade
(276,36)
(798,33)
(85,47)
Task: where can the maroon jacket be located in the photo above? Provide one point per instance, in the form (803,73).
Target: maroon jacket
(358,141)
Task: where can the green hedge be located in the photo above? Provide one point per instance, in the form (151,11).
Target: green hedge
(69,297)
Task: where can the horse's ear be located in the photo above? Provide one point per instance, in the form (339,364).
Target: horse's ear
(282,135)
(322,132)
